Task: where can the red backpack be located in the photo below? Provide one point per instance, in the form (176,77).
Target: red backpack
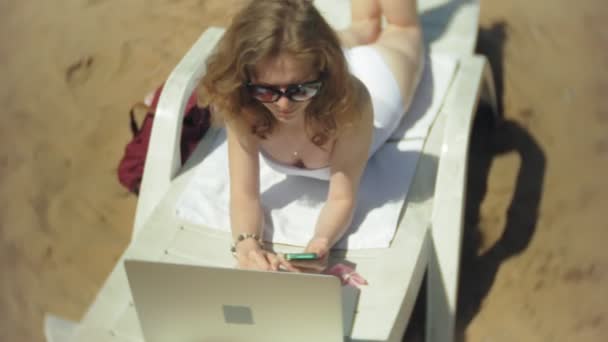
(131,166)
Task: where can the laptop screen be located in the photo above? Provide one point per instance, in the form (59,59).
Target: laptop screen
(199,303)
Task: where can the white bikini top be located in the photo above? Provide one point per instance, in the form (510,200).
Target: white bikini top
(322,173)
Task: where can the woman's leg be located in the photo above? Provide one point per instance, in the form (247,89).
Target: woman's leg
(400,44)
(365,25)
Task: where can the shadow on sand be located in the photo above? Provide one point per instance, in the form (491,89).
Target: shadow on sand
(478,271)
(489,140)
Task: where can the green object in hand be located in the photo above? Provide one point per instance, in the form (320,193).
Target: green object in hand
(301,256)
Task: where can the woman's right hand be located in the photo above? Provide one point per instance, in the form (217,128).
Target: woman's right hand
(250,255)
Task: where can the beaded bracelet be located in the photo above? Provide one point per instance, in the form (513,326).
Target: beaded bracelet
(242,237)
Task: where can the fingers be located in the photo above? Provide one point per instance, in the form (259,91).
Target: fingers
(264,261)
(274,261)
(259,258)
(318,245)
(312,266)
(288,266)
(268,261)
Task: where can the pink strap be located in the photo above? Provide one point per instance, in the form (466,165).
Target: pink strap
(347,275)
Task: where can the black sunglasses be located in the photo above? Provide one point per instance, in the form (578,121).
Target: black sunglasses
(294,92)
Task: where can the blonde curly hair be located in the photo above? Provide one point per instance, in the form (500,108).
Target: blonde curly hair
(266,29)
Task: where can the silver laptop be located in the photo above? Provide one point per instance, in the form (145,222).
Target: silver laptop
(184,303)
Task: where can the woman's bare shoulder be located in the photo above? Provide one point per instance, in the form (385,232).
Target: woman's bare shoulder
(241,132)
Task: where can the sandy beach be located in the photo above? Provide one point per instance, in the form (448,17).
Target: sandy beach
(534,266)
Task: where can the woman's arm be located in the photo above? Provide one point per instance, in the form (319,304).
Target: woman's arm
(246,214)
(349,158)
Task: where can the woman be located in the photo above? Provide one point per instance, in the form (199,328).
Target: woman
(290,92)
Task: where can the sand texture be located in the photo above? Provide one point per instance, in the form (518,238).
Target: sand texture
(535,264)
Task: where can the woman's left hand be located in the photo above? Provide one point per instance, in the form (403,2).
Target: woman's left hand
(319,246)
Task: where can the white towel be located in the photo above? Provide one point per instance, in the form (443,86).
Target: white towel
(293,203)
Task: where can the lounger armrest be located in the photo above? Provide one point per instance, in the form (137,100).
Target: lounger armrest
(163,159)
(448,206)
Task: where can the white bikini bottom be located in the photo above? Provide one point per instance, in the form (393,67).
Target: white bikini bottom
(365,63)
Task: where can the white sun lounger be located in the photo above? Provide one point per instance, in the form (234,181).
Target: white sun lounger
(430,243)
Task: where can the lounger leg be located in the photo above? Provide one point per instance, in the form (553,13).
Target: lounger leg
(440,320)
(488,93)
(58,329)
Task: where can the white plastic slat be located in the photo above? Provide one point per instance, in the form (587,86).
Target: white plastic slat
(447,217)
(163,157)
